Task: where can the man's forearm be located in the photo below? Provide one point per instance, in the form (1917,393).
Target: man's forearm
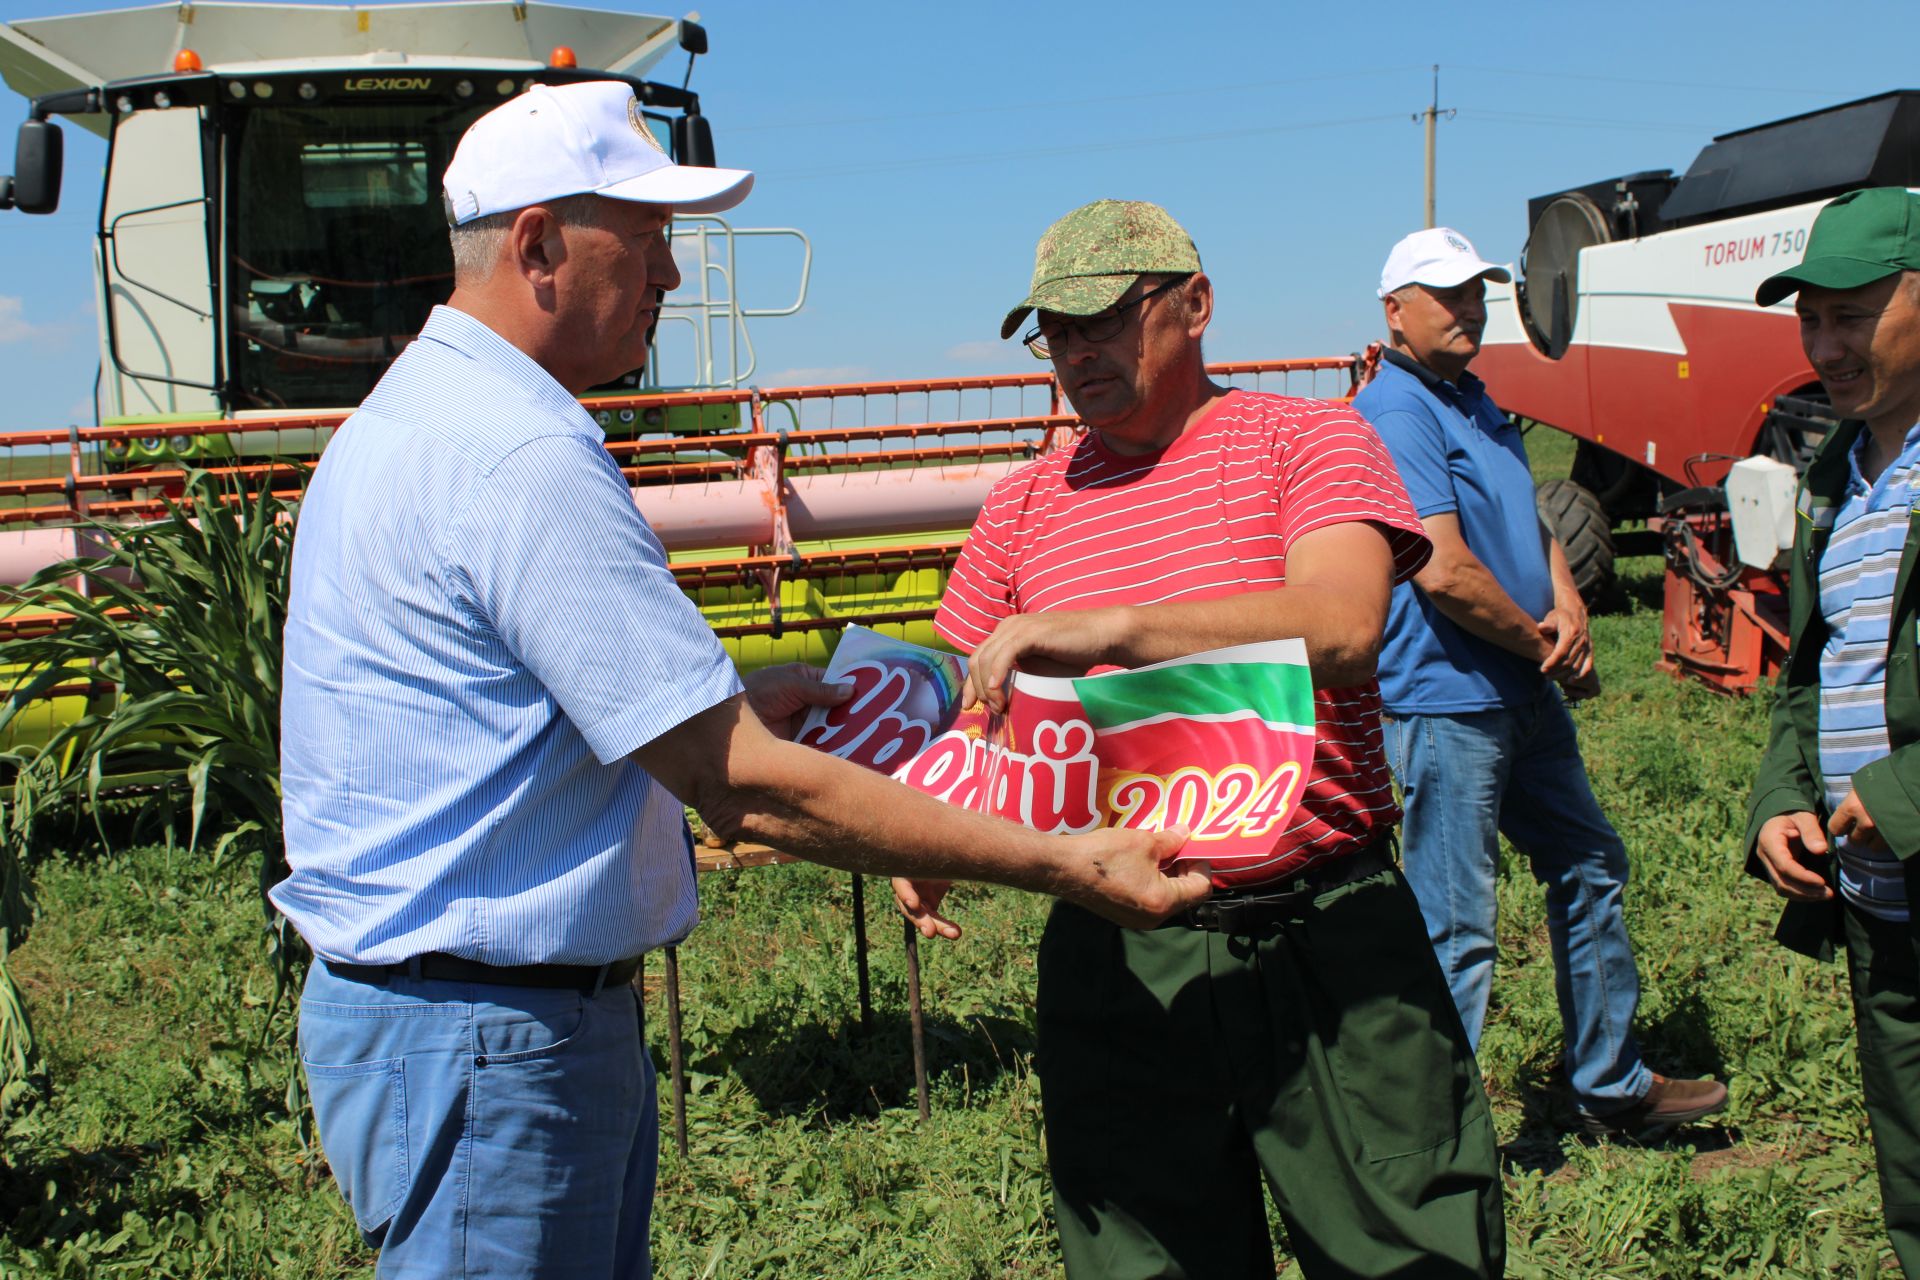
(826,810)
(1566,592)
(1342,629)
(1339,584)
(1468,595)
(749,785)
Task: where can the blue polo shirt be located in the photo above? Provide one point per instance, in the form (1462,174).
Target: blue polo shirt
(1457,454)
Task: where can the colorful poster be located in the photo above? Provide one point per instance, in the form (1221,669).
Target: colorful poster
(1220,742)
(904,696)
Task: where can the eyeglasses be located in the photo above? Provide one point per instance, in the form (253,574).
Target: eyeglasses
(1044,337)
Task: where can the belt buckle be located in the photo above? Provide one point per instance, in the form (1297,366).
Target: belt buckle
(1205,916)
(1257,911)
(1226,916)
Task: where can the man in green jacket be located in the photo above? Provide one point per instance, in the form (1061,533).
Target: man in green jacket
(1834,820)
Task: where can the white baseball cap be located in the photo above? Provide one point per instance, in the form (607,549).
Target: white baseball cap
(1438,256)
(564,140)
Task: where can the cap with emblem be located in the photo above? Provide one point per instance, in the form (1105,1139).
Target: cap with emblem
(1086,260)
(1861,237)
(1440,257)
(566,140)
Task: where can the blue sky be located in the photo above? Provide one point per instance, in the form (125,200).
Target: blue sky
(923,148)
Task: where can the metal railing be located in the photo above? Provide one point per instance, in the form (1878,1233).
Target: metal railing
(716,317)
(58,476)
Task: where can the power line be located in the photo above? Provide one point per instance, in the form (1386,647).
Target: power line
(996,157)
(1029,108)
(1586,122)
(989,157)
(1774,87)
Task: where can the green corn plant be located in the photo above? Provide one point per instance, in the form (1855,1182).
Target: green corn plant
(176,625)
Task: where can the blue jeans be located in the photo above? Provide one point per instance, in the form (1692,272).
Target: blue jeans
(1469,778)
(480,1130)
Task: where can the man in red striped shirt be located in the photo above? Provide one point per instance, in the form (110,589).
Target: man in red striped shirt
(1301,1027)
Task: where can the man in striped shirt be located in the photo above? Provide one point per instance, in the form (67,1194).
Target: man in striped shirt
(1303,1029)
(1837,802)
(497,700)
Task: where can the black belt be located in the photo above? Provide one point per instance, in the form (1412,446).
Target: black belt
(1254,910)
(584,978)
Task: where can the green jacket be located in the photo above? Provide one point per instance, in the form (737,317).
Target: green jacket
(1789,779)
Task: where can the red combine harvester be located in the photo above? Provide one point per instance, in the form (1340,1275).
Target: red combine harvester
(1631,326)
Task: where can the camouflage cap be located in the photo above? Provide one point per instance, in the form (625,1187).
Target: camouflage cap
(1086,260)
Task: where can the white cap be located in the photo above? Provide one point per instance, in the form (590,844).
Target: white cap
(1438,256)
(563,140)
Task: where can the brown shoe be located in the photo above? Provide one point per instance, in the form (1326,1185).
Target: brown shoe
(1666,1104)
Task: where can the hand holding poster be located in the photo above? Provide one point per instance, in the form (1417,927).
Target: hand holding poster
(1220,742)
(904,695)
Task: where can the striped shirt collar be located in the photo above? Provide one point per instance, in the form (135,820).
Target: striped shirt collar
(471,337)
(1857,477)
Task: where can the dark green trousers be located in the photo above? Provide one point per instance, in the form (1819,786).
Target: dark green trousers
(1177,1067)
(1883,961)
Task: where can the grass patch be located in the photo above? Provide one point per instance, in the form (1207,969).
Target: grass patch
(162,1150)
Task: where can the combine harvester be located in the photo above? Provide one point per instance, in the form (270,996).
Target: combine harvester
(270,236)
(1632,326)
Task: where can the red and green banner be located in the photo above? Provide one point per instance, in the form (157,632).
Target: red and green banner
(1219,742)
(904,696)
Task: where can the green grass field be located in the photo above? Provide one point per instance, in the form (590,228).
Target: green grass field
(162,1148)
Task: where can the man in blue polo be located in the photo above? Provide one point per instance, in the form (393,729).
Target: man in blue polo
(1478,649)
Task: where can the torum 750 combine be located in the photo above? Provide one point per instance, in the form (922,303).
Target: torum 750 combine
(271,235)
(1632,326)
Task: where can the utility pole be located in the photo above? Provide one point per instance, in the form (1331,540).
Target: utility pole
(1432,115)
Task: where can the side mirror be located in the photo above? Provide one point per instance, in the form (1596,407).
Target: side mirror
(36,167)
(693,37)
(693,141)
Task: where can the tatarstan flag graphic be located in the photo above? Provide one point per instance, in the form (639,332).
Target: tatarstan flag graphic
(1221,742)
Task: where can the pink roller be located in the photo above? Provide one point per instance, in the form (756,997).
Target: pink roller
(917,500)
(25,552)
(713,513)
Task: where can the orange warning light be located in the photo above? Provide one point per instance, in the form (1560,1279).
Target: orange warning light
(562,57)
(187,60)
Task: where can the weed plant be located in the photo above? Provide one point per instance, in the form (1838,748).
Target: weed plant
(176,626)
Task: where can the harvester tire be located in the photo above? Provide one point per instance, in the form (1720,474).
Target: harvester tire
(1627,490)
(1580,523)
